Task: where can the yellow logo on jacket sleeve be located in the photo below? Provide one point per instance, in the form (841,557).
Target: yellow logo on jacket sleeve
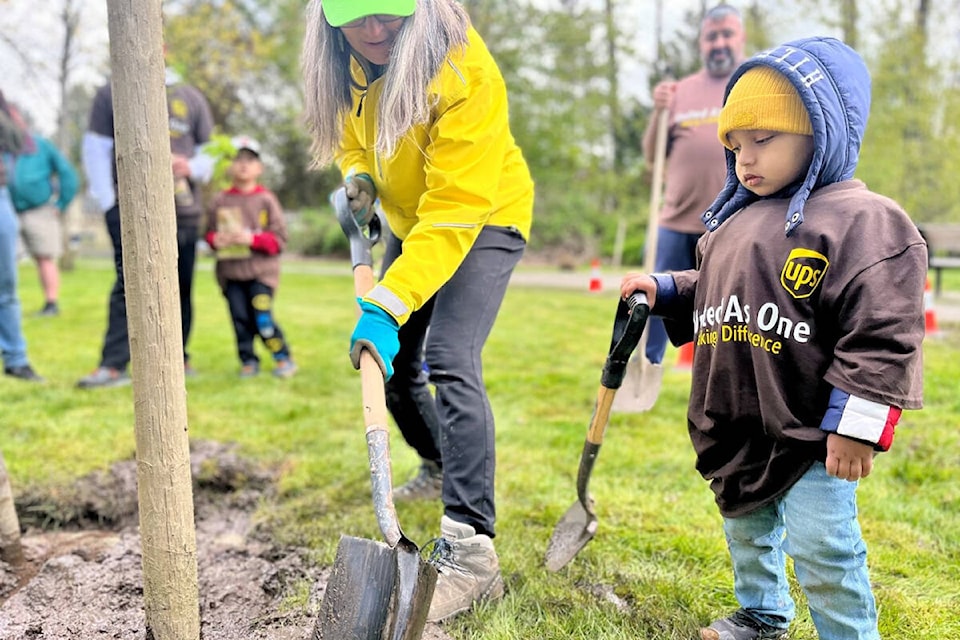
(803,272)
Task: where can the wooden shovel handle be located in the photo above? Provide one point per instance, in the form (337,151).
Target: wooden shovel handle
(656,190)
(371,377)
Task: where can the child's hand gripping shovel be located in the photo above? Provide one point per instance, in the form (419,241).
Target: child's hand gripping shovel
(579,524)
(376,591)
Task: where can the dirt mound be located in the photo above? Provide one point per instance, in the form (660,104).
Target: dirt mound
(82,578)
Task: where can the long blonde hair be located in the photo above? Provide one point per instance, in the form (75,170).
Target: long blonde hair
(422,46)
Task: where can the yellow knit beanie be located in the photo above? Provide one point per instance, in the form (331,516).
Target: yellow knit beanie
(763,99)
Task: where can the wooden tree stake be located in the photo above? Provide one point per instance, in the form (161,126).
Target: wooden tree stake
(148,224)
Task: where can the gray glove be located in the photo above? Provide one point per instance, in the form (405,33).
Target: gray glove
(361,194)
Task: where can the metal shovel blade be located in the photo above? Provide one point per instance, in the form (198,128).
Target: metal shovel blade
(579,524)
(416,581)
(574,530)
(641,385)
(357,600)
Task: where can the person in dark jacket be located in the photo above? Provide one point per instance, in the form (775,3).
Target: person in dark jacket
(191,124)
(805,354)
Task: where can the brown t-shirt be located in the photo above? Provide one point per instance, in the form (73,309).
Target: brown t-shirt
(779,321)
(695,169)
(259,212)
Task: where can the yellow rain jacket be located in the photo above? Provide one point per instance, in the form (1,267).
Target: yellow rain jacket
(448,178)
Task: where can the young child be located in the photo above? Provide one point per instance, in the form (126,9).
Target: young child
(245,226)
(808,338)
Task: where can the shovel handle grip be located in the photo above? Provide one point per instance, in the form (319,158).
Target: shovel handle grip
(628,327)
(361,239)
(626,339)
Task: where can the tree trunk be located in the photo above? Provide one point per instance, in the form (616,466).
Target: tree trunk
(10,550)
(70,19)
(923,19)
(145,190)
(849,16)
(616,132)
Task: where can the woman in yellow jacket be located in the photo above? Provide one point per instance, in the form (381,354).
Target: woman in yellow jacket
(405,97)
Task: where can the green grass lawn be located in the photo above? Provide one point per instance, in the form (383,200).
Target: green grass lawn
(658,567)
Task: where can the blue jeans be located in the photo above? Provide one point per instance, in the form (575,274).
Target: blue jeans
(815,523)
(675,252)
(13,347)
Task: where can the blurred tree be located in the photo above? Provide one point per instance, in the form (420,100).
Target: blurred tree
(562,114)
(52,65)
(910,149)
(838,15)
(70,20)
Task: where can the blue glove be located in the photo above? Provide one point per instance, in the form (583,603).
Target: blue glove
(376,331)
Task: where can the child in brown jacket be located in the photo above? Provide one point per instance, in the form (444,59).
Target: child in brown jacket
(246,228)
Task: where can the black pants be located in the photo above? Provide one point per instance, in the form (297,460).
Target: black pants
(251,308)
(449,333)
(408,397)
(116,342)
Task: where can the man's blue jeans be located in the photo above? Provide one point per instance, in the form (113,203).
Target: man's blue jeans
(815,523)
(12,344)
(676,251)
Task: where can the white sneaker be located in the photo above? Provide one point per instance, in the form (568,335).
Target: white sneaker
(469,570)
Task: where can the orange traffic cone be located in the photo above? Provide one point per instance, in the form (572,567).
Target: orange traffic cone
(929,313)
(596,282)
(685,357)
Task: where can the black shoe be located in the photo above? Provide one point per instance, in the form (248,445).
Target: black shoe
(426,485)
(24,372)
(50,309)
(742,626)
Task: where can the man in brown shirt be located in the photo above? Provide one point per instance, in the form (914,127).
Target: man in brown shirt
(694,170)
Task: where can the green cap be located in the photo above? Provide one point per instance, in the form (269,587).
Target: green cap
(340,12)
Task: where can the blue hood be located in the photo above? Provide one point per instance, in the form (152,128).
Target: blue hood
(834,84)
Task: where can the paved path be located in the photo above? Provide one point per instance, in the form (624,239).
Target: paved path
(946,307)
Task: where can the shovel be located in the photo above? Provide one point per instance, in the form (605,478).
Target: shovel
(641,385)
(377,591)
(579,524)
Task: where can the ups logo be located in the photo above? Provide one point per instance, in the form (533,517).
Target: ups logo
(802,272)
